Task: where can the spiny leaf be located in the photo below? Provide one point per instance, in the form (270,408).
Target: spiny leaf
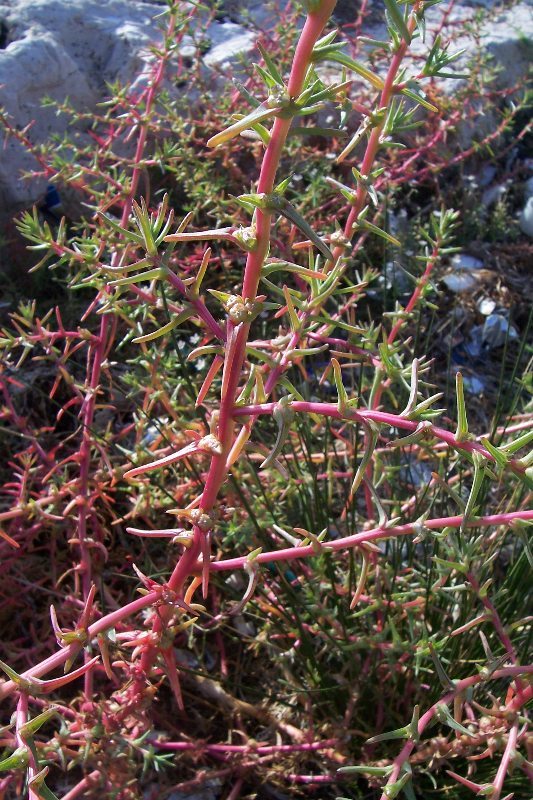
(264,111)
(461,433)
(370,445)
(288,266)
(517,444)
(369,226)
(380,772)
(33,725)
(128,235)
(149,275)
(418,98)
(500,457)
(344,60)
(345,326)
(270,64)
(441,672)
(342,395)
(186,314)
(293,316)
(195,289)
(480,463)
(39,787)
(283,416)
(280,204)
(392,790)
(398,19)
(246,94)
(444,716)
(17,760)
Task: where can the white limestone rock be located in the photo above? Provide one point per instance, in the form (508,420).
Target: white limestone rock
(227,42)
(60,49)
(458,282)
(107,39)
(259,14)
(506,36)
(74,49)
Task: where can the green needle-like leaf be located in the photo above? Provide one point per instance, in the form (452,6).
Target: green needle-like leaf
(342,395)
(283,415)
(33,725)
(186,314)
(129,280)
(277,203)
(397,18)
(273,70)
(259,114)
(17,760)
(461,433)
(420,99)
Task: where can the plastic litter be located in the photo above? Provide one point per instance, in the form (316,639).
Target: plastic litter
(462,261)
(458,282)
(526,218)
(496,330)
(486,306)
(473,384)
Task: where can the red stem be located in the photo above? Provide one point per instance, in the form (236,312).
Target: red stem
(519,701)
(237,336)
(382,417)
(112,619)
(99,348)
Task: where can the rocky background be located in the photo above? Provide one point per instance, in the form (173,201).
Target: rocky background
(73,48)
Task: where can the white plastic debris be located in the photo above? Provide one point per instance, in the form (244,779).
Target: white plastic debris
(496,330)
(473,384)
(462,261)
(458,282)
(526,218)
(486,306)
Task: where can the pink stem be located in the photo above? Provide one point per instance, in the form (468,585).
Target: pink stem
(383,417)
(419,289)
(508,754)
(21,719)
(460,687)
(86,783)
(98,349)
(237,335)
(289,554)
(236,790)
(360,198)
(246,749)
(357,539)
(199,306)
(494,617)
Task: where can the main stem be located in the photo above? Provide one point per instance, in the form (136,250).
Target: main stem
(237,335)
